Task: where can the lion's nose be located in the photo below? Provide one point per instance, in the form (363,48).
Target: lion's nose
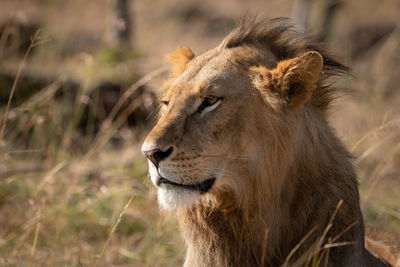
(157,155)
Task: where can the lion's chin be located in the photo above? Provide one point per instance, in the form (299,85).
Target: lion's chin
(170,199)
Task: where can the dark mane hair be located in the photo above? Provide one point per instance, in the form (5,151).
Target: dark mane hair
(280,37)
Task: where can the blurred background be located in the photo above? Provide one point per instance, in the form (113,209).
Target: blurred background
(79,88)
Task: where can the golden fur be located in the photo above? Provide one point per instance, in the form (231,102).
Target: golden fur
(280,172)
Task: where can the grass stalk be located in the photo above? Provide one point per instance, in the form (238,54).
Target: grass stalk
(14,86)
(35,239)
(264,247)
(98,257)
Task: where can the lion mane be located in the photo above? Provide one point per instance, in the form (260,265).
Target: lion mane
(244,153)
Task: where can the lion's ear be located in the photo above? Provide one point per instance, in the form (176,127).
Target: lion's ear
(179,59)
(291,83)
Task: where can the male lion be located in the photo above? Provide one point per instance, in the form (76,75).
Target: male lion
(244,153)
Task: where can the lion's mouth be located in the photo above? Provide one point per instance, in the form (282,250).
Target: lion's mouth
(202,187)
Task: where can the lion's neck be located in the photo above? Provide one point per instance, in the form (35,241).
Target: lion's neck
(222,238)
(233,235)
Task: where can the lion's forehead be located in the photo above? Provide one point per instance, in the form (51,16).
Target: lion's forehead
(204,69)
(223,84)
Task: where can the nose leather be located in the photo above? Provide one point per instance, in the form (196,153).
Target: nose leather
(157,155)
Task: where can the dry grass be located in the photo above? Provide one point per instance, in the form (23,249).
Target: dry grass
(49,221)
(71,200)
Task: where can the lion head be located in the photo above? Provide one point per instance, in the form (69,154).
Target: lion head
(229,111)
(243,145)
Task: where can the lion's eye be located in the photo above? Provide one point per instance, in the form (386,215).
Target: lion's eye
(210,100)
(209,103)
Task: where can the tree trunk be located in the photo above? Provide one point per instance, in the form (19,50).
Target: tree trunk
(300,13)
(119,23)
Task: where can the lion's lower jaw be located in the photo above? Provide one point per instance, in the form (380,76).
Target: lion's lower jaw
(171,199)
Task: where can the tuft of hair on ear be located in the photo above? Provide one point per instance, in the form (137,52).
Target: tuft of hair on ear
(291,83)
(179,59)
(269,87)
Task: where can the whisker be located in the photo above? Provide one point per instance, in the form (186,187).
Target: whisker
(204,167)
(224,156)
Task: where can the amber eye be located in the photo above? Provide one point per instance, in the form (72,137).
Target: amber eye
(208,102)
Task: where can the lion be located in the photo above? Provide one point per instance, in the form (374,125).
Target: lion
(244,154)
